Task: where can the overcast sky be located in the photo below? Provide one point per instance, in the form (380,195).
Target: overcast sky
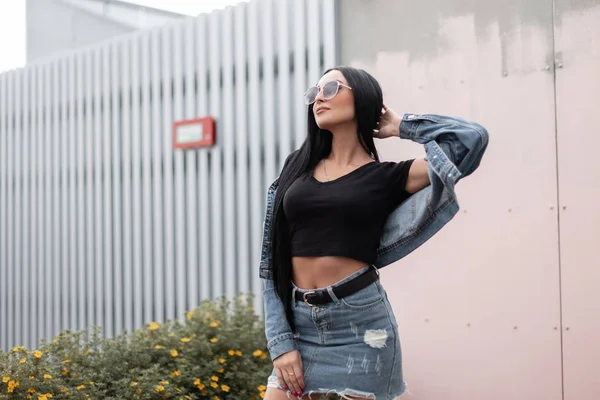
(12,23)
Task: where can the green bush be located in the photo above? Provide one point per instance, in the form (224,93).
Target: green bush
(219,352)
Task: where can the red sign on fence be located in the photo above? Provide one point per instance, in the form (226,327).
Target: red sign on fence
(193,133)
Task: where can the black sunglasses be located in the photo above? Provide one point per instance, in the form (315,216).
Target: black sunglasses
(330,89)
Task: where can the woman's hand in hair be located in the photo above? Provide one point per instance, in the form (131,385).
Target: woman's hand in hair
(288,368)
(388,125)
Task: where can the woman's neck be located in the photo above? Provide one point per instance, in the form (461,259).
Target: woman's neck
(346,148)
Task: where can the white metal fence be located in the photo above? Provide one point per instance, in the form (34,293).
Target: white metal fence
(101,222)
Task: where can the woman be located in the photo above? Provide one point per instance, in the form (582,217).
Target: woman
(335,215)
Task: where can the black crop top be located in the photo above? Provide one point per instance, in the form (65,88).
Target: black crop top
(344,217)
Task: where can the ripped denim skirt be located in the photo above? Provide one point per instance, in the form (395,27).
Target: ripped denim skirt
(349,346)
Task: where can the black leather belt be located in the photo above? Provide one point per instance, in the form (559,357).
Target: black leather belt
(321,296)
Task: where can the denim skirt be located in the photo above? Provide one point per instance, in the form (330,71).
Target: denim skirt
(350,346)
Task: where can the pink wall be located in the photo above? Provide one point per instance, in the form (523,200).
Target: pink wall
(480,305)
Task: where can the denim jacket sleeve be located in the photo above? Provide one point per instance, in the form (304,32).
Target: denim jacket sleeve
(280,338)
(454,150)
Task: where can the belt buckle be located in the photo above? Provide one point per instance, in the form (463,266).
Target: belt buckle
(306,301)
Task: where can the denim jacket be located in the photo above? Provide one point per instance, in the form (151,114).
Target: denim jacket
(454,149)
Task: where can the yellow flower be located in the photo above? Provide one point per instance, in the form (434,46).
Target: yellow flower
(178,390)
(189,315)
(91,383)
(80,387)
(174,353)
(263,356)
(16,349)
(87,353)
(257,353)
(164,383)
(159,388)
(214,384)
(201,386)
(5,379)
(37,354)
(171,334)
(251,309)
(153,326)
(214,340)
(158,346)
(64,389)
(214,324)
(216,398)
(225,388)
(12,385)
(214,378)
(22,361)
(32,377)
(238,353)
(65,361)
(175,373)
(220,370)
(55,341)
(262,388)
(45,396)
(196,381)
(222,360)
(47,376)
(31,390)
(231,352)
(185,339)
(64,371)
(262,395)
(134,384)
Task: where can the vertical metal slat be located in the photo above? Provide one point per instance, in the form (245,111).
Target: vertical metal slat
(49,147)
(167,112)
(10,235)
(77,275)
(204,197)
(268,102)
(18,206)
(229,144)
(136,206)
(117,184)
(40,157)
(216,228)
(81,209)
(157,174)
(65,236)
(100,107)
(254,120)
(314,41)
(125,134)
(147,262)
(180,242)
(247,266)
(85,184)
(191,187)
(108,324)
(283,82)
(34,245)
(25,268)
(300,84)
(328,12)
(3,212)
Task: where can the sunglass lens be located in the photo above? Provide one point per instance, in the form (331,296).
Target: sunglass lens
(311,95)
(330,89)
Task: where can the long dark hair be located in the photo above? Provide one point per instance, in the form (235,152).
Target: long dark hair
(368,101)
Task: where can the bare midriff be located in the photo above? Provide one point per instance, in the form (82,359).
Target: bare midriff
(319,272)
